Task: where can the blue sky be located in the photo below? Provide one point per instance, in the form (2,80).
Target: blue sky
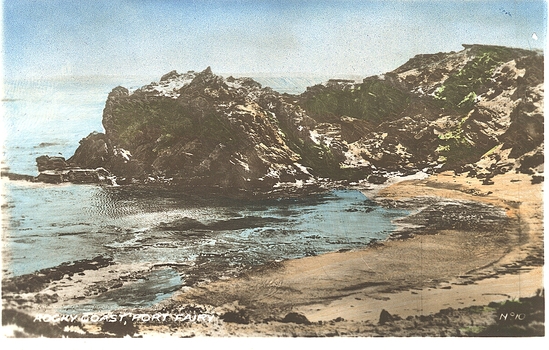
(150,37)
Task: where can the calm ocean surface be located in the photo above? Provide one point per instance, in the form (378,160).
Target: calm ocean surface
(46,225)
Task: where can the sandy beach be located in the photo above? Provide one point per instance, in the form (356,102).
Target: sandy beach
(416,276)
(418,272)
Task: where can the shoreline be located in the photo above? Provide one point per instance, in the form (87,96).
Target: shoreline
(335,285)
(416,276)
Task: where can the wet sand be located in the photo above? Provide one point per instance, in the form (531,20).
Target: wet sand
(411,276)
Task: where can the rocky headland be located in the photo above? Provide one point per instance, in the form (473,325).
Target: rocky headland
(479,111)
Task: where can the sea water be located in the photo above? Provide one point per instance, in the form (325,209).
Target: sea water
(45,225)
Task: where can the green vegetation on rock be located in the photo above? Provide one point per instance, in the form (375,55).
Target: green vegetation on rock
(460,90)
(456,149)
(137,122)
(373,100)
(164,123)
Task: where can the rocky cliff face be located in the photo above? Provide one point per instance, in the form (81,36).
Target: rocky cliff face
(478,110)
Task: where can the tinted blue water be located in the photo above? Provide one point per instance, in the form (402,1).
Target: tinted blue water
(50,224)
(50,117)
(46,225)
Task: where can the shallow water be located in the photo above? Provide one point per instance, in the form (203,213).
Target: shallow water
(50,224)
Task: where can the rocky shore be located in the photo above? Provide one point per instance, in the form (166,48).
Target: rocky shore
(470,251)
(437,280)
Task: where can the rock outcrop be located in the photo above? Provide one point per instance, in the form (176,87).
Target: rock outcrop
(57,169)
(201,130)
(478,110)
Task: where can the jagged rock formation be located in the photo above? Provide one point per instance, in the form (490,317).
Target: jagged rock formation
(478,110)
(196,129)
